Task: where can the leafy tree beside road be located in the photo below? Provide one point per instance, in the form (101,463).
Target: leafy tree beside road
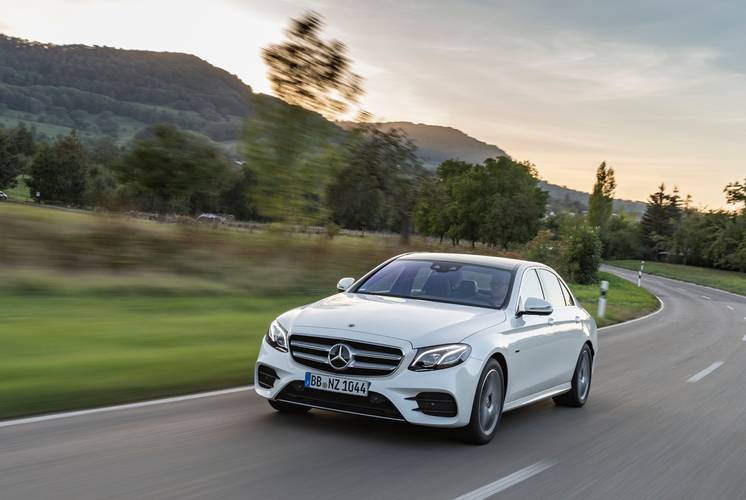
(58,171)
(497,203)
(174,171)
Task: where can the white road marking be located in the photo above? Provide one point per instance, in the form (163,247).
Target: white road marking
(129,406)
(700,375)
(744,338)
(506,482)
(705,297)
(729,307)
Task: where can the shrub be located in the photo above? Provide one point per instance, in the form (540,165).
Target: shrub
(584,255)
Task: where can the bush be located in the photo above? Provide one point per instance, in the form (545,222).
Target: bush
(584,255)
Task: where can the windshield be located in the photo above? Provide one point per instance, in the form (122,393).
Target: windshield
(441,281)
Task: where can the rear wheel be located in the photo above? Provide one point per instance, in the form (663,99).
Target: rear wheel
(284,407)
(581,381)
(488,405)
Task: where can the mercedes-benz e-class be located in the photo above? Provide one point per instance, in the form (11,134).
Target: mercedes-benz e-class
(445,340)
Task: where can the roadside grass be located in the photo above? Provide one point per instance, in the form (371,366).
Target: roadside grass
(20,192)
(731,281)
(625,300)
(63,353)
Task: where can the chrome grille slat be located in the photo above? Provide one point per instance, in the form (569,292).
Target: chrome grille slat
(369,366)
(377,355)
(310,345)
(311,357)
(367,358)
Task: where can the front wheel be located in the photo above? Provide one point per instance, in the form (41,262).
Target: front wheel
(581,381)
(488,405)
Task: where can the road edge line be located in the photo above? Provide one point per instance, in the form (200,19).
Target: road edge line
(126,406)
(633,320)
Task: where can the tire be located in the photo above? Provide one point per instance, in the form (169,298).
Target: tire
(284,407)
(487,407)
(581,381)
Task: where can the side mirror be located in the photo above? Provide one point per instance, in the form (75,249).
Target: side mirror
(345,283)
(535,306)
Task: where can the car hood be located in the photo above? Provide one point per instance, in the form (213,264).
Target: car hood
(420,323)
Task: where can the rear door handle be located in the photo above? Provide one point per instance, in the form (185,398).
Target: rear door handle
(550,321)
(577,319)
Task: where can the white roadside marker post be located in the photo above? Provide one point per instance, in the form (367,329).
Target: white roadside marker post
(602,299)
(639,273)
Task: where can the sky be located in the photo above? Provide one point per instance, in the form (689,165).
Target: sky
(655,88)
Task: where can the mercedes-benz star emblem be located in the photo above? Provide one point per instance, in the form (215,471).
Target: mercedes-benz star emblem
(339,356)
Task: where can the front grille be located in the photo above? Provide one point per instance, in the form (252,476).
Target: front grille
(436,404)
(367,359)
(375,405)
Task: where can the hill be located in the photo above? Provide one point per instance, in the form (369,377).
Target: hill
(103,91)
(116,92)
(435,143)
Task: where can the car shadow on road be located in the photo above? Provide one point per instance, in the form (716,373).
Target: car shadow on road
(325,424)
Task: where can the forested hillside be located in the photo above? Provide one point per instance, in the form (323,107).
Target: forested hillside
(106,91)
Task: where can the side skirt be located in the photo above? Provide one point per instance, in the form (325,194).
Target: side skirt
(533,398)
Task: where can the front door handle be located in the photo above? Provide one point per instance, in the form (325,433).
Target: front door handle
(550,321)
(577,319)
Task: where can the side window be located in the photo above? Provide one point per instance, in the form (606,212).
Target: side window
(530,286)
(552,288)
(568,296)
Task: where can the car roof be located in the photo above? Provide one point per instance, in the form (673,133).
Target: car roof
(466,258)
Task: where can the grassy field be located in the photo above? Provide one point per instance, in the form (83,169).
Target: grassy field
(62,352)
(624,300)
(96,310)
(730,281)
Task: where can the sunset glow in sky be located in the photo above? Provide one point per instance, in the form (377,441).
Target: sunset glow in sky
(655,88)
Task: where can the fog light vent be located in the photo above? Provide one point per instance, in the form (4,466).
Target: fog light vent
(436,404)
(266,376)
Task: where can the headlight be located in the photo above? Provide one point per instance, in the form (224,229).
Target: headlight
(439,357)
(277,337)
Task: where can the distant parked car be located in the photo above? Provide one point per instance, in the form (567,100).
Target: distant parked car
(211,218)
(3,196)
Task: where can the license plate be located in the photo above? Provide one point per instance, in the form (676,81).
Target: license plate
(336,384)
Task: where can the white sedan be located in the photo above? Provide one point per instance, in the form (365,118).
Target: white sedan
(436,339)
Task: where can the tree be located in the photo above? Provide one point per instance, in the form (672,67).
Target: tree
(292,154)
(312,73)
(289,148)
(658,222)
(174,171)
(498,202)
(621,238)
(515,204)
(378,183)
(584,255)
(10,165)
(58,171)
(601,200)
(735,193)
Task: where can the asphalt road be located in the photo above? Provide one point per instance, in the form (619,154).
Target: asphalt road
(664,420)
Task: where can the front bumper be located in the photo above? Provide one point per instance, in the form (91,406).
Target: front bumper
(400,387)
